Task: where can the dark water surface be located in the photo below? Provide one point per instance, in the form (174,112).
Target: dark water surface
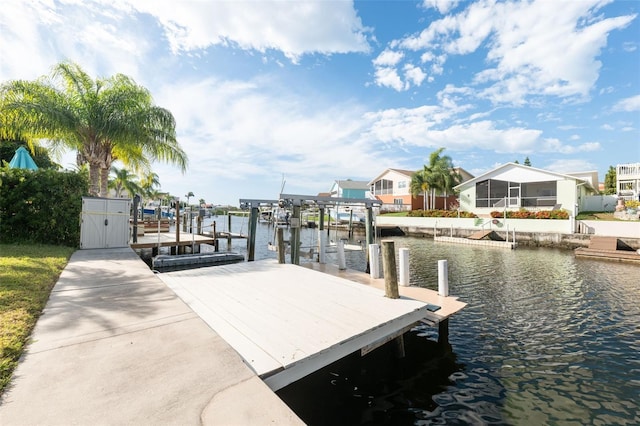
(545,339)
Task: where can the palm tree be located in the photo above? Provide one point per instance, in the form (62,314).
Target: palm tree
(124,181)
(189,195)
(442,175)
(438,176)
(103,120)
(420,185)
(150,184)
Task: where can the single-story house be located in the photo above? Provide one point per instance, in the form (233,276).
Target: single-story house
(393,188)
(513,186)
(350,189)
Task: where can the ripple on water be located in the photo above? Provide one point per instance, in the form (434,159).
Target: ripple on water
(545,339)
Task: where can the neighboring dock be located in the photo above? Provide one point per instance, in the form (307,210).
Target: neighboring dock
(481,238)
(608,248)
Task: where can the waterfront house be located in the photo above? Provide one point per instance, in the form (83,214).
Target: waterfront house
(393,188)
(628,181)
(512,186)
(350,189)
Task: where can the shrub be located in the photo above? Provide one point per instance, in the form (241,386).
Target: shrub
(41,206)
(440,213)
(526,214)
(632,204)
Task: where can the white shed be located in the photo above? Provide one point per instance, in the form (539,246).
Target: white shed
(104,223)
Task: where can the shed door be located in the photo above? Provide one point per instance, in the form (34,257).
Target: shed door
(93,230)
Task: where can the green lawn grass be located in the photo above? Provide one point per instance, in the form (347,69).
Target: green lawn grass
(28,272)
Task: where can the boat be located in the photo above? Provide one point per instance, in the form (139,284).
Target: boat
(165,262)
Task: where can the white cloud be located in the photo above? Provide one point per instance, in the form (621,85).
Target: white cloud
(443,6)
(607,127)
(628,104)
(532,49)
(569,166)
(389,77)
(388,58)
(290,27)
(414,74)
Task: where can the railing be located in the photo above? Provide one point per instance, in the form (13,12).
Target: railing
(628,171)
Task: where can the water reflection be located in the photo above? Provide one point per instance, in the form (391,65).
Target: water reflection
(545,339)
(560,335)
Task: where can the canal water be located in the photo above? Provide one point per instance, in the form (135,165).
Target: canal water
(546,338)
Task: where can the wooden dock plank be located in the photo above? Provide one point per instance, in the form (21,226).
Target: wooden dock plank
(603,243)
(287,321)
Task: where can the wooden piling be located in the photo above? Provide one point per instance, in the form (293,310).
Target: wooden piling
(281,246)
(389,267)
(251,240)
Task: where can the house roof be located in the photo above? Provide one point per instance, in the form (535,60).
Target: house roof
(514,172)
(407,173)
(353,184)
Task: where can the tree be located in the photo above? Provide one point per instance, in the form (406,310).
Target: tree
(103,120)
(527,162)
(611,181)
(420,185)
(124,181)
(202,202)
(440,174)
(189,195)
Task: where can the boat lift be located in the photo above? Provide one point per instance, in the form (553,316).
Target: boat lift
(295,202)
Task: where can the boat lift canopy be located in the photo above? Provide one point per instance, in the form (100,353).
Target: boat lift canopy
(296,202)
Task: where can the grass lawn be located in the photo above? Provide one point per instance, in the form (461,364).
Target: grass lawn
(27,275)
(596,216)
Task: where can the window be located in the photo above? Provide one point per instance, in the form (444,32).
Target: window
(402,184)
(397,201)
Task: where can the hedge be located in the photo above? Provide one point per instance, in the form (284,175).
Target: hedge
(526,214)
(440,213)
(41,206)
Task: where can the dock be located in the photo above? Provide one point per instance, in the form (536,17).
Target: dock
(287,321)
(115,346)
(608,248)
(168,239)
(481,238)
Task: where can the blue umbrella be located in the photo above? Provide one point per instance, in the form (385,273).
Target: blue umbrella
(22,160)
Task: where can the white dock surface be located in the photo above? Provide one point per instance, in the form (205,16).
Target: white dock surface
(287,321)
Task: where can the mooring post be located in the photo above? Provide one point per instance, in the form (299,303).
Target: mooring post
(177,227)
(342,261)
(321,225)
(199,224)
(403,255)
(229,231)
(294,239)
(350,223)
(216,246)
(370,237)
(322,247)
(389,267)
(443,335)
(443,278)
(251,240)
(136,202)
(374,260)
(280,245)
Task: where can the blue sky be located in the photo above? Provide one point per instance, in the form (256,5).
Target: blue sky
(322,90)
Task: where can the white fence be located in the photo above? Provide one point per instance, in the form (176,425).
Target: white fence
(630,229)
(599,203)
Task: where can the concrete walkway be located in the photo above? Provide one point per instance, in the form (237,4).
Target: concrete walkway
(116,346)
